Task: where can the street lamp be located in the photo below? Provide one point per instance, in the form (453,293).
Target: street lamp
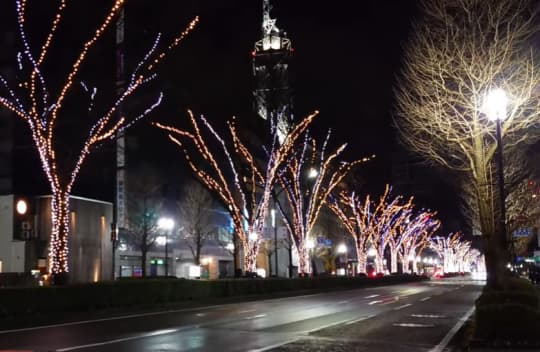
(371,252)
(342,250)
(166,224)
(312,173)
(494,107)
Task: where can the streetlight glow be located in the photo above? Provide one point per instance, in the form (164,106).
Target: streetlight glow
(21,206)
(253,236)
(342,248)
(161,240)
(371,252)
(313,173)
(165,223)
(495,104)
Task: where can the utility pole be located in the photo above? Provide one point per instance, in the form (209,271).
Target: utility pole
(119,189)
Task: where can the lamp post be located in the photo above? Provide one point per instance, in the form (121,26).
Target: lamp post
(342,250)
(273,214)
(166,224)
(310,245)
(495,108)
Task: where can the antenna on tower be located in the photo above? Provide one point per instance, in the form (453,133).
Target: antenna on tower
(268,24)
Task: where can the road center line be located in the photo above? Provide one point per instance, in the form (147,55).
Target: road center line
(90,321)
(136,337)
(343,302)
(425,299)
(374,302)
(255,316)
(372,296)
(444,342)
(433,316)
(247,311)
(328,325)
(403,306)
(359,320)
(271,347)
(413,325)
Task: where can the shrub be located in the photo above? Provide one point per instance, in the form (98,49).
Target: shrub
(127,293)
(507,322)
(492,297)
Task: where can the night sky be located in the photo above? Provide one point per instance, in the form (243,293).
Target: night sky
(347,55)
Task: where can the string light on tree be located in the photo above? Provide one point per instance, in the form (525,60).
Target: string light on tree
(241,182)
(31,101)
(306,197)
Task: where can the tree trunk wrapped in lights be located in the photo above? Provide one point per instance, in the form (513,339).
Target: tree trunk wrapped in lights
(384,217)
(348,208)
(387,223)
(307,179)
(415,231)
(30,99)
(448,250)
(242,183)
(459,52)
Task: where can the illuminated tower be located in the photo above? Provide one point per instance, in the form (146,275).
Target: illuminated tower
(273,101)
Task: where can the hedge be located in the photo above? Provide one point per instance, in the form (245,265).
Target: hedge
(118,294)
(510,315)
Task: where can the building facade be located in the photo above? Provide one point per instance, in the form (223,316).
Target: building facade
(25,228)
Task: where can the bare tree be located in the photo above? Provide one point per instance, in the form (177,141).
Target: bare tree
(461,50)
(195,212)
(145,203)
(452,250)
(43,109)
(307,178)
(230,170)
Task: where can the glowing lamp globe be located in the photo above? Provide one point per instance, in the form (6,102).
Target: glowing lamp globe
(161,240)
(495,104)
(371,252)
(165,223)
(21,207)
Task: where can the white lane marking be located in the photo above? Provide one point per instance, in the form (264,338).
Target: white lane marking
(140,336)
(255,316)
(81,322)
(247,311)
(343,302)
(328,325)
(444,342)
(432,316)
(372,296)
(271,347)
(374,302)
(359,320)
(200,314)
(129,316)
(403,306)
(413,325)
(425,299)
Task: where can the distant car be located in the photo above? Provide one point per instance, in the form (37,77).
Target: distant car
(370,271)
(437,274)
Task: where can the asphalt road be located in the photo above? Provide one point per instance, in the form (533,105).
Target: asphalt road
(408,317)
